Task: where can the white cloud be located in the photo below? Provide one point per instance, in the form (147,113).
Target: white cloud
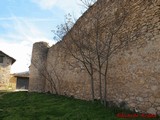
(18,44)
(73,7)
(28,31)
(28,19)
(45,4)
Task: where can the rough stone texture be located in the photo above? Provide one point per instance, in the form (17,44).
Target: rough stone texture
(5,72)
(158,108)
(133,72)
(12,82)
(39,55)
(151,111)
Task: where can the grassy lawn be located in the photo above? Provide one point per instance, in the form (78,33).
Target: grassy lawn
(38,106)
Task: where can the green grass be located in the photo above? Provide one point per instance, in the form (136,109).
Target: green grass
(38,106)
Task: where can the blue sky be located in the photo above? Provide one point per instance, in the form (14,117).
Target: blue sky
(24,22)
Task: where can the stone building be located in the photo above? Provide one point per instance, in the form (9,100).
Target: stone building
(133,75)
(19,81)
(5,65)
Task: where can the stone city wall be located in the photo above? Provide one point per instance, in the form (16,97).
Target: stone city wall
(134,72)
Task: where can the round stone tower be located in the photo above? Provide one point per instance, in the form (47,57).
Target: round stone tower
(37,69)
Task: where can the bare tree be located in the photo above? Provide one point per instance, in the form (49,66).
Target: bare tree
(77,48)
(46,76)
(95,42)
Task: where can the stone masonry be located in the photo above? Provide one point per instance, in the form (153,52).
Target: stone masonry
(5,67)
(39,56)
(134,72)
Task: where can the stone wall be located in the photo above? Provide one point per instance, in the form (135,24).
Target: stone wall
(12,82)
(39,55)
(5,73)
(133,71)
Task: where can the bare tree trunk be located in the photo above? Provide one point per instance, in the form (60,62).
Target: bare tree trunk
(100,85)
(92,87)
(105,84)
